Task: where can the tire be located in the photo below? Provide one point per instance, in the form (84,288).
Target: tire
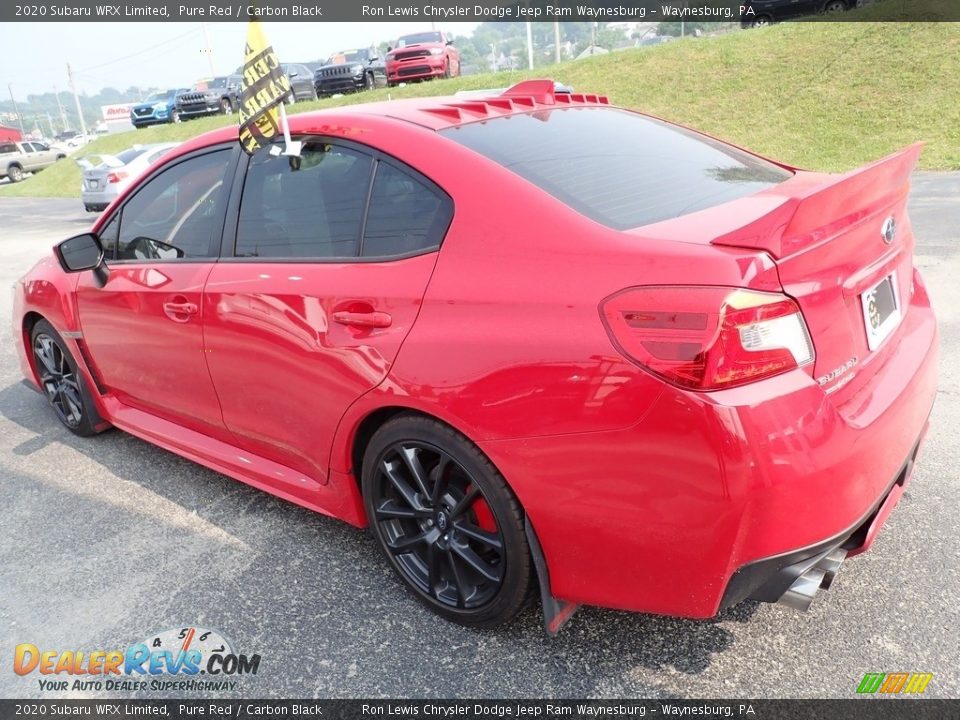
(175,117)
(447,71)
(369,82)
(834,6)
(63,386)
(61,157)
(762,21)
(15,173)
(455,536)
(226,107)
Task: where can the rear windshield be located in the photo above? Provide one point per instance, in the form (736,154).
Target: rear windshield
(617,167)
(131,154)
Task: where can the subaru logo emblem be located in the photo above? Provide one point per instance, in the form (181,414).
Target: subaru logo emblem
(888,231)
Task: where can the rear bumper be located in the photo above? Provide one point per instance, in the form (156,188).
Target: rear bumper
(661,516)
(769,579)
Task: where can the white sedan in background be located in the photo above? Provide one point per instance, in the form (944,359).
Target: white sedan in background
(104,177)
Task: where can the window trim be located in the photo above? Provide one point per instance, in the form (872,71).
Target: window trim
(228,246)
(229,181)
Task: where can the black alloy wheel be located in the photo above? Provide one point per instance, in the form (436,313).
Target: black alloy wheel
(446,521)
(61,382)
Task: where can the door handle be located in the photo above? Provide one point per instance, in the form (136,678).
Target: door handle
(180,311)
(372,319)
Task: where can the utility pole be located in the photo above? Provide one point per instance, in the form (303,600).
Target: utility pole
(530,44)
(76,99)
(207,49)
(63,115)
(556,42)
(16,109)
(50,123)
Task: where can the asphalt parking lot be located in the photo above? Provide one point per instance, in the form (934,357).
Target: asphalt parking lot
(108,540)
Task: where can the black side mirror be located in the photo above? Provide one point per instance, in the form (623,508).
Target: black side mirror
(449,42)
(79,253)
(389,48)
(82,252)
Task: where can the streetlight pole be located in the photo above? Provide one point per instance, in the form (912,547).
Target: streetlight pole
(76,99)
(16,109)
(63,115)
(556,42)
(530,45)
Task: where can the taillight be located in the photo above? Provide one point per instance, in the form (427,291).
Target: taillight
(116,177)
(707,338)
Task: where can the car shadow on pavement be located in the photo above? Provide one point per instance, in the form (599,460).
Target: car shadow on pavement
(182,544)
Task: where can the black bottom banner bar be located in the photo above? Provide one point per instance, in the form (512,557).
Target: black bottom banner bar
(861,708)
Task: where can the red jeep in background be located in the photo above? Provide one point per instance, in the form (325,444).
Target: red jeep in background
(422,56)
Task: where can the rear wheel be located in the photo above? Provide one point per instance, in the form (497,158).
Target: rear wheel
(446,521)
(61,382)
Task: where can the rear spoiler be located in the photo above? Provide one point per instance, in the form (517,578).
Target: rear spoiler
(108,160)
(822,211)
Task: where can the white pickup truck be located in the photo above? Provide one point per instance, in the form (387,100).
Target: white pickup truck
(17,158)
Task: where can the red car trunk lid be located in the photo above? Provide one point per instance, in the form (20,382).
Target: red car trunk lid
(833,238)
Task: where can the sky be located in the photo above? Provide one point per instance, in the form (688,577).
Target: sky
(150,55)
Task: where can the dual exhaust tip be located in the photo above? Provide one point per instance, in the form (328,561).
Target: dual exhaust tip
(801,593)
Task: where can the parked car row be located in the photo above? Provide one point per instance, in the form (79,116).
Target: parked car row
(416,57)
(757,13)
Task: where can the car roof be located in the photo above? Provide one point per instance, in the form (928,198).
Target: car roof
(433,113)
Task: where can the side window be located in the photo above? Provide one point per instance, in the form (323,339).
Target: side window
(313,212)
(405,215)
(178,213)
(40,146)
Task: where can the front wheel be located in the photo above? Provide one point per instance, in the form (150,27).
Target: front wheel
(226,107)
(61,382)
(15,173)
(175,117)
(446,521)
(369,82)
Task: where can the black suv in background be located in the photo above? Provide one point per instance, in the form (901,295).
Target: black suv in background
(756,13)
(349,71)
(220,95)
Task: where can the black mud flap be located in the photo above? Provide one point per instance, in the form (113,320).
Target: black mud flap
(555,612)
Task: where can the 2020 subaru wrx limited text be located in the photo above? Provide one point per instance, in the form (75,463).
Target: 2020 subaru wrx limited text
(548,342)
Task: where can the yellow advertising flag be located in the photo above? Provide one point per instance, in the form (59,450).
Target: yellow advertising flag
(265,88)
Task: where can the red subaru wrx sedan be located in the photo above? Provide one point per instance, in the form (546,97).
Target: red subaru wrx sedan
(531,340)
